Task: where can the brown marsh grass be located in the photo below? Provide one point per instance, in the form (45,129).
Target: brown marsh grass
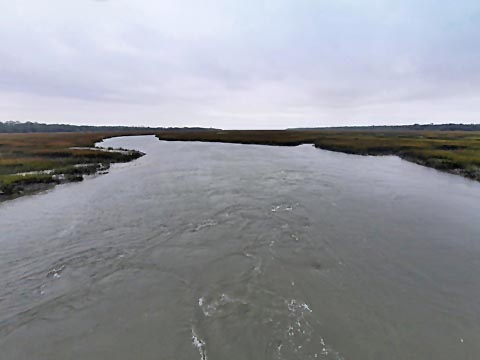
(36,152)
(451,151)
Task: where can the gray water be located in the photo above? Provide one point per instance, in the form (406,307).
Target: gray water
(221,251)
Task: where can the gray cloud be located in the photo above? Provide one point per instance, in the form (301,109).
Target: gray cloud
(233,64)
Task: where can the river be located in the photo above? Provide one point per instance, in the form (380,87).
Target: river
(223,251)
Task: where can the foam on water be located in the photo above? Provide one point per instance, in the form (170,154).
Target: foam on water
(200,345)
(284,207)
(203,225)
(55,272)
(299,338)
(212,306)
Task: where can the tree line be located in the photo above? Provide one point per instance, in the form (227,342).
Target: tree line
(34,127)
(414,127)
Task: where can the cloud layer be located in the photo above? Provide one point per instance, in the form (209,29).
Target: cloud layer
(240,64)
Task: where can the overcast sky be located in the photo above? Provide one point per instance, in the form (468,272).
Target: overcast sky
(240,63)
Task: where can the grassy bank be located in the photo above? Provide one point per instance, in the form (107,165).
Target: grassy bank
(451,151)
(35,161)
(31,162)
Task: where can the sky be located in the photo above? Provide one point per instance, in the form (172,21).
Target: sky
(239,64)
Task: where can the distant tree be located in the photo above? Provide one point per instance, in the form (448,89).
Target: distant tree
(34,127)
(414,127)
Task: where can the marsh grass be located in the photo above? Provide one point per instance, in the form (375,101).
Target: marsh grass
(451,151)
(26,153)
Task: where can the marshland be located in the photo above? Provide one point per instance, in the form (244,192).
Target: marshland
(457,152)
(240,180)
(202,250)
(34,161)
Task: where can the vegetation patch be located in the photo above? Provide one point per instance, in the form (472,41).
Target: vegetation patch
(457,152)
(34,161)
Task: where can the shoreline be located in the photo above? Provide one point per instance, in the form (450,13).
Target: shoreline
(32,163)
(456,153)
(37,185)
(36,163)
